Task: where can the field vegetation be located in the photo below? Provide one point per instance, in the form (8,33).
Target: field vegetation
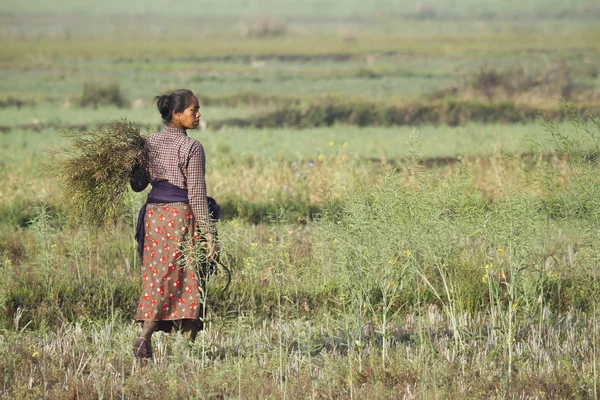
(410,210)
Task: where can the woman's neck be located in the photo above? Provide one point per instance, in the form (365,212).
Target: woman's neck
(175,125)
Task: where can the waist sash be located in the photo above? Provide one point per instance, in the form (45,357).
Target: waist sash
(161,192)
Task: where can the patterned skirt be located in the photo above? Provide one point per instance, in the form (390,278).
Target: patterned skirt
(171,290)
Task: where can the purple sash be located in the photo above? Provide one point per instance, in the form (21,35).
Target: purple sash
(161,192)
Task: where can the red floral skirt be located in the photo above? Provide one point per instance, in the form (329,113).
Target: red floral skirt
(171,290)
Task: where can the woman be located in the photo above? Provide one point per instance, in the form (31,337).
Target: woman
(177,210)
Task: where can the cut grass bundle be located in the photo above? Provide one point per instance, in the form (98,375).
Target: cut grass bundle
(96,172)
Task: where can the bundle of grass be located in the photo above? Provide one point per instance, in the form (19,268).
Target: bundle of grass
(96,172)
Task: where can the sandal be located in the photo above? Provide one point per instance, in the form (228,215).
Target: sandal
(141,348)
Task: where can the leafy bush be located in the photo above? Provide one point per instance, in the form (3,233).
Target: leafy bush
(11,101)
(263,27)
(556,80)
(326,112)
(574,195)
(415,240)
(247,98)
(95,95)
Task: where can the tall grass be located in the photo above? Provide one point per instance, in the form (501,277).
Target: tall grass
(420,282)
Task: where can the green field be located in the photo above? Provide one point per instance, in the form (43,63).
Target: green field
(399,221)
(312,9)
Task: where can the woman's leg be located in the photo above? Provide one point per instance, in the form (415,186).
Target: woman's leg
(190,329)
(148,329)
(142,345)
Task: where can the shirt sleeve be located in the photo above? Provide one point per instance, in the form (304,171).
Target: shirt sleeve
(197,189)
(139,178)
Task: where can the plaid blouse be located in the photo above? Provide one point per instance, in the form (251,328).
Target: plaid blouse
(177,158)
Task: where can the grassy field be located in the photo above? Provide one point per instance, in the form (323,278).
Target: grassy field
(391,231)
(312,9)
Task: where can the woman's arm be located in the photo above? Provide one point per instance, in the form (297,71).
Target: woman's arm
(139,178)
(198,201)
(197,190)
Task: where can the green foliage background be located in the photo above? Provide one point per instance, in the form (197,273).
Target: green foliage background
(398,221)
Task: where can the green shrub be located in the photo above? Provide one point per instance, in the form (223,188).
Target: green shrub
(96,95)
(11,101)
(326,112)
(247,98)
(556,80)
(263,27)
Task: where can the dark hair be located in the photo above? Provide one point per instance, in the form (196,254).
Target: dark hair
(177,101)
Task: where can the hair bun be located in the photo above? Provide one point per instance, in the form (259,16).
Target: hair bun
(163,105)
(176,102)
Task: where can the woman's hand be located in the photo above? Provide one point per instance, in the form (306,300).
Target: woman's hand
(212,248)
(212,251)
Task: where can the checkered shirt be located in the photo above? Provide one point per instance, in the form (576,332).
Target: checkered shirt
(177,158)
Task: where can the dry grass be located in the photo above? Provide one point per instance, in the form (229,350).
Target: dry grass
(294,358)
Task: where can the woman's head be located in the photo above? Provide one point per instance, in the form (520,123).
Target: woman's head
(179,109)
